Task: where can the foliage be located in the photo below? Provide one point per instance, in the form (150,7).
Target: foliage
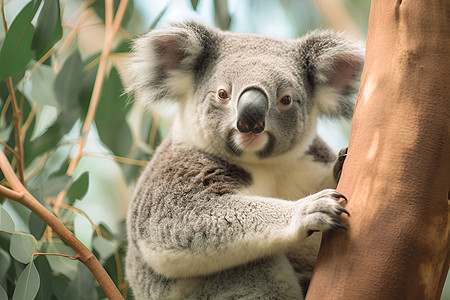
(43,63)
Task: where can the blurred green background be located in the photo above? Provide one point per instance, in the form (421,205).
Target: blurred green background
(54,93)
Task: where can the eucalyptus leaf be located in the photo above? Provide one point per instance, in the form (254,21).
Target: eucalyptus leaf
(28,284)
(159,16)
(82,286)
(22,247)
(5,262)
(45,273)
(48,28)
(6,222)
(60,285)
(16,51)
(48,140)
(99,7)
(58,264)
(40,86)
(3,295)
(194,4)
(221,14)
(67,89)
(37,226)
(110,117)
(5,132)
(55,184)
(79,187)
(104,247)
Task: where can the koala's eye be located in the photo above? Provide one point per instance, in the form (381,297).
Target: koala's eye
(222,94)
(286,100)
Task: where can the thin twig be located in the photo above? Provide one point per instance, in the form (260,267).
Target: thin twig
(80,9)
(57,254)
(120,282)
(5,107)
(79,211)
(38,168)
(95,97)
(125,34)
(120,159)
(17,117)
(67,26)
(72,34)
(154,131)
(5,25)
(8,147)
(109,13)
(58,203)
(28,121)
(11,194)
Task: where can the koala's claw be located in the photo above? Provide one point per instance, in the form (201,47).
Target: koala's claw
(338,195)
(320,212)
(337,170)
(343,210)
(338,225)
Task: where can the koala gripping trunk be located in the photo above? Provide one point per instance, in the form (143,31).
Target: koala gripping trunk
(397,172)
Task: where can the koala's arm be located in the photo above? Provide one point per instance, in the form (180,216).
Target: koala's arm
(189,218)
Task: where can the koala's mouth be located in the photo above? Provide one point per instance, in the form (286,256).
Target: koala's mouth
(251,141)
(261,144)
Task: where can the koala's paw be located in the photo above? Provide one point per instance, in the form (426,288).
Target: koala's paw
(339,164)
(319,212)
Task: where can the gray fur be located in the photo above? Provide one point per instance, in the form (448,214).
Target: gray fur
(222,215)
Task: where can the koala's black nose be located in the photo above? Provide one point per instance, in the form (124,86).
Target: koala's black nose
(251,111)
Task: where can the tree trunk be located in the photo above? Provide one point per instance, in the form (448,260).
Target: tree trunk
(397,172)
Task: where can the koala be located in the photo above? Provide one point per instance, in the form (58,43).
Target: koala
(233,201)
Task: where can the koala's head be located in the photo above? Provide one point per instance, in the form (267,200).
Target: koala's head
(246,96)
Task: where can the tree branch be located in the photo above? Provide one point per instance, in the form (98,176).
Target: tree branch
(397,172)
(17,117)
(20,194)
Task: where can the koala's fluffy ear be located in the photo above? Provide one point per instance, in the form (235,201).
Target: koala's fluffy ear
(333,63)
(165,61)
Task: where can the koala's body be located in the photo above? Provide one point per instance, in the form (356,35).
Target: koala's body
(224,208)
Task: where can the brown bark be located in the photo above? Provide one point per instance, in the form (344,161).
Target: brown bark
(397,173)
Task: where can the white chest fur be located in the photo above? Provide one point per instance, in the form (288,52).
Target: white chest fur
(289,180)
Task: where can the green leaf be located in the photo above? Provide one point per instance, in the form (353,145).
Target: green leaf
(124,47)
(67,89)
(221,14)
(3,295)
(60,285)
(160,15)
(55,184)
(104,247)
(16,50)
(28,284)
(5,262)
(36,225)
(45,273)
(79,187)
(40,86)
(82,286)
(48,28)
(131,172)
(6,222)
(58,264)
(48,140)
(22,247)
(194,4)
(99,7)
(110,117)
